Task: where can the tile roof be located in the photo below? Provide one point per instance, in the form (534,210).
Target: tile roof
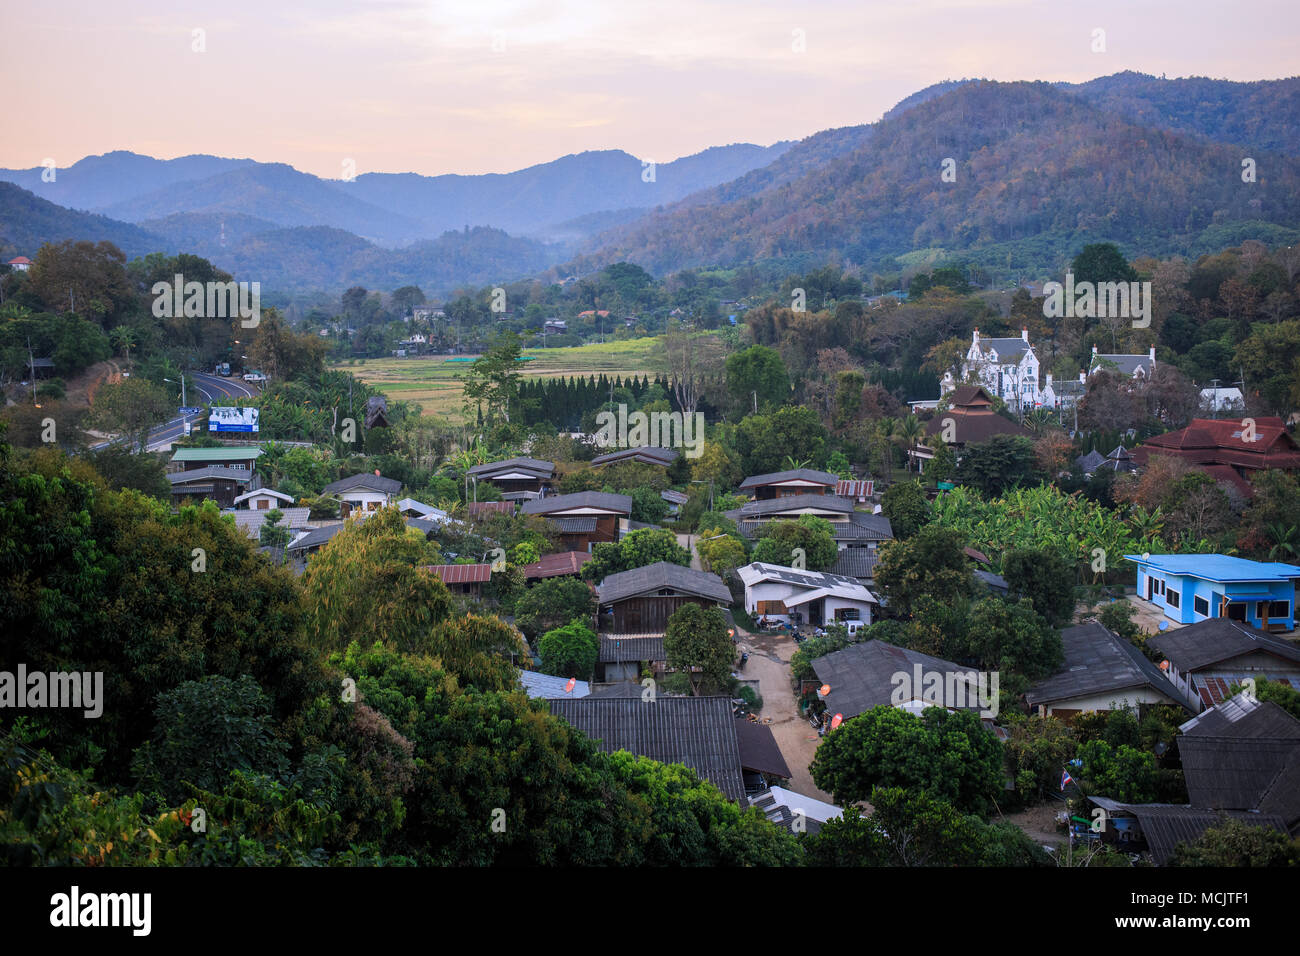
(758,749)
(250,522)
(365,481)
(625,648)
(541,469)
(699,732)
(1215,640)
(1234,754)
(583,524)
(856,563)
(861,675)
(796,474)
(620,504)
(1222,441)
(659,576)
(771,506)
(645,454)
(479,508)
(1099,661)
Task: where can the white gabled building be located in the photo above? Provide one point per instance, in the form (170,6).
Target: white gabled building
(1007,368)
(778,592)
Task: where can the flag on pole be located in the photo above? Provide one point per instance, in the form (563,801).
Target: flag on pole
(1066,779)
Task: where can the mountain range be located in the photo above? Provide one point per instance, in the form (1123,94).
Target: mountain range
(1037,170)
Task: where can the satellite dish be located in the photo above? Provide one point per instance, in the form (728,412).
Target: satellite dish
(824,690)
(836,721)
(1163,625)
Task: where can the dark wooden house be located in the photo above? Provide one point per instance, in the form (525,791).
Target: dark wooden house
(641,600)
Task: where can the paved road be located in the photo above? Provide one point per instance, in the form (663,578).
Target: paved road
(203,389)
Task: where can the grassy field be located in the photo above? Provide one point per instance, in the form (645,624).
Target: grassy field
(435,383)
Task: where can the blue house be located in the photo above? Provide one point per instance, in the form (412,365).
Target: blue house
(1197,587)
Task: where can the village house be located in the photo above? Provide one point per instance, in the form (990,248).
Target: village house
(969,418)
(699,732)
(782,484)
(870,674)
(1228,449)
(297,520)
(363,492)
(221,474)
(1101,672)
(644,454)
(584,518)
(20,264)
(1194,587)
(465,579)
(1207,659)
(850,528)
(642,600)
(518,479)
(263,499)
(560,564)
(789,595)
(794,811)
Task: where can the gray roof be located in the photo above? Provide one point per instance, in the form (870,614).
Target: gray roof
(618,649)
(575,525)
(582,499)
(769,506)
(758,749)
(622,688)
(646,454)
(1127,364)
(1165,825)
(211,472)
(861,675)
(857,563)
(699,732)
(797,474)
(251,521)
(316,537)
(660,575)
(863,527)
(541,469)
(365,481)
(1234,754)
(994,582)
(1090,462)
(1099,661)
(548,687)
(1009,351)
(1215,640)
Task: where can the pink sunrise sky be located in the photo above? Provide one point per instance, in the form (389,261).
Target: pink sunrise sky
(497,85)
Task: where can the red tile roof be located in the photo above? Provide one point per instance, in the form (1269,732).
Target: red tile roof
(460,573)
(555,565)
(1208,441)
(20,261)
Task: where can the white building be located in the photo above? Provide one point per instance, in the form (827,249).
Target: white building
(364,492)
(263,499)
(778,593)
(1007,368)
(1133,366)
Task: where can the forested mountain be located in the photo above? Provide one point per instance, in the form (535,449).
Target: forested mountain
(27,222)
(1038,172)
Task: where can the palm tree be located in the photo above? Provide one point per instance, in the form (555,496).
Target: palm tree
(792,465)
(886,435)
(123,337)
(1286,541)
(910,430)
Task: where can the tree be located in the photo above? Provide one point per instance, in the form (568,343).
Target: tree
(551,603)
(764,440)
(131,408)
(84,277)
(946,755)
(205,730)
(757,379)
(647,505)
(1037,748)
(910,433)
(1102,262)
(271,534)
(943,466)
(1238,843)
(994,466)
(720,553)
(905,506)
(1013,639)
(696,643)
(695,366)
(1268,356)
(569,651)
(492,382)
(930,563)
(642,547)
(1044,577)
(282,354)
(1122,773)
(813,535)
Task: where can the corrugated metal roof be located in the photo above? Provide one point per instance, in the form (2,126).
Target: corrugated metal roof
(619,504)
(365,481)
(225,453)
(758,749)
(549,687)
(626,648)
(209,473)
(861,675)
(660,575)
(542,469)
(1215,640)
(645,454)
(555,565)
(699,732)
(584,524)
(460,573)
(797,474)
(1098,661)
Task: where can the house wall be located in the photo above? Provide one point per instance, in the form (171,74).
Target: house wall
(1188,589)
(649,615)
(364,500)
(1130,698)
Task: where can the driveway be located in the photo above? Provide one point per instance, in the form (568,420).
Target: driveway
(769,662)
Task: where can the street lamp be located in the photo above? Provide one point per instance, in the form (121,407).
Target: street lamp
(181,383)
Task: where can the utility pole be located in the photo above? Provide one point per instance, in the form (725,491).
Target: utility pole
(31,368)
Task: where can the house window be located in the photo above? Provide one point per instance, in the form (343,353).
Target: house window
(1280,609)
(771,607)
(848,614)
(1237,611)
(1173,598)
(1201,606)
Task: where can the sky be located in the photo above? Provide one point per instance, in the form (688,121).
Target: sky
(340,86)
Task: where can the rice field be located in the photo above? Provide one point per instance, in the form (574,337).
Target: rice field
(434,382)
